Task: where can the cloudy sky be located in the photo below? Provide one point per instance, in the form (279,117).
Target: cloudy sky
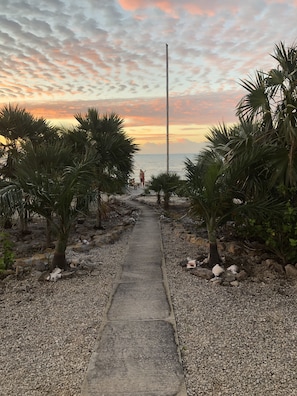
(60,57)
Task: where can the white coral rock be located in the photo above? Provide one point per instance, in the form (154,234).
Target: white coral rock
(55,275)
(217,270)
(233,268)
(191,263)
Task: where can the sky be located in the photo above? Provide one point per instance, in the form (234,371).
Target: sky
(61,57)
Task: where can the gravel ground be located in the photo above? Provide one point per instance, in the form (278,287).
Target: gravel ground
(239,341)
(233,340)
(48,329)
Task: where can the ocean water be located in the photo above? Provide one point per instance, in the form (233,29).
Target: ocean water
(154,164)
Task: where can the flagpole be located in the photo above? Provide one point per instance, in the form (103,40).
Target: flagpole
(167,112)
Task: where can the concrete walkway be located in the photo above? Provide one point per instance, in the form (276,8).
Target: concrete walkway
(136,354)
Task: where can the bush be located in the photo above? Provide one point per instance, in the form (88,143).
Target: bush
(280,237)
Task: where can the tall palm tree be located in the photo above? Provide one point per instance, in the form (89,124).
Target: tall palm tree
(271,101)
(16,127)
(257,158)
(77,141)
(256,105)
(114,153)
(15,124)
(242,146)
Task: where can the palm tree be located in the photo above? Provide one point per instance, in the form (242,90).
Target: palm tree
(210,195)
(156,186)
(11,202)
(114,153)
(77,141)
(220,188)
(169,183)
(16,127)
(54,182)
(252,157)
(271,101)
(254,161)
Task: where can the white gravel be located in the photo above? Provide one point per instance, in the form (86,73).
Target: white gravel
(48,329)
(238,341)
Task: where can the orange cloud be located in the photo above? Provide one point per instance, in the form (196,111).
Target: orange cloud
(205,8)
(203,109)
(281,2)
(132,5)
(195,9)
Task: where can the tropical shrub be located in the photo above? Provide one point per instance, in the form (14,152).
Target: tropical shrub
(277,234)
(166,183)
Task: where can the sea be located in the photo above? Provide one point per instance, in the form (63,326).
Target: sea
(154,164)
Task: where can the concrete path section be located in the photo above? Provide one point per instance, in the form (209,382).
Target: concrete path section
(137,354)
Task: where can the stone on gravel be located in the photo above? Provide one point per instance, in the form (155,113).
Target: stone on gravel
(203,273)
(291,271)
(242,275)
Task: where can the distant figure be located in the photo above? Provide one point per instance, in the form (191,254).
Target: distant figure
(141,177)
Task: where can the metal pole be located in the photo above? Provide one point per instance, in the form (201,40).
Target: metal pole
(167,110)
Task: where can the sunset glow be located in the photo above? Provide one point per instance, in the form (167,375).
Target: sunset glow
(60,59)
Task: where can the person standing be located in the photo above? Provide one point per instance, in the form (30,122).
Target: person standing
(141,177)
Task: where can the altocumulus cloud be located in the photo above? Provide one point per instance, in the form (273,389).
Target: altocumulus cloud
(61,57)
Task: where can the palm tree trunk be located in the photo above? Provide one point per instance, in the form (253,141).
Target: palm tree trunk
(166,201)
(24,222)
(99,212)
(23,216)
(214,257)
(59,259)
(48,233)
(158,198)
(291,162)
